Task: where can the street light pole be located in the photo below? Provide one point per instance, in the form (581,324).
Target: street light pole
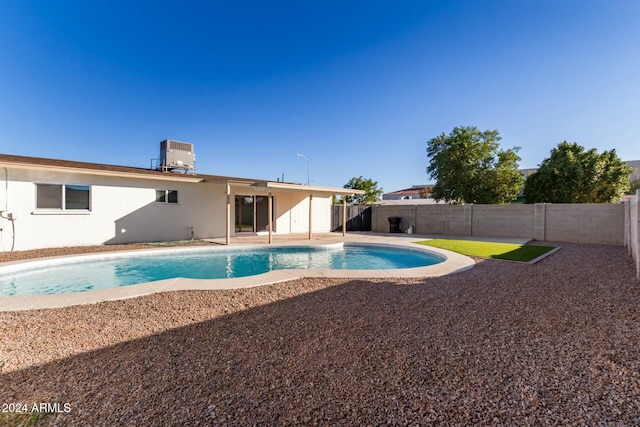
(308,167)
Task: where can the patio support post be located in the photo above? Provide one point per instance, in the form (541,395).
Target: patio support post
(228,232)
(344,215)
(310,214)
(270,204)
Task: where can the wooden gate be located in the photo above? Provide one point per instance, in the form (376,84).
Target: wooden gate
(358,218)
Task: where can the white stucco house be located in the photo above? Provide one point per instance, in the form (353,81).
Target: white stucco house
(53,203)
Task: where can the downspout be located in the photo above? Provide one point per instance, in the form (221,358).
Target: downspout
(5,214)
(6,189)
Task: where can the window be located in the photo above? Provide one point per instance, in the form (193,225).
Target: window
(62,196)
(166,196)
(76,197)
(48,196)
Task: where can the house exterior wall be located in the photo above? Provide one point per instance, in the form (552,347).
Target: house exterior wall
(123,210)
(291,211)
(321,214)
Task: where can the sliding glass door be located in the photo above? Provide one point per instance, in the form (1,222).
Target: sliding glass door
(252,213)
(244,213)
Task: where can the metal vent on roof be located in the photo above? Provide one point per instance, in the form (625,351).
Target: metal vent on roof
(176,155)
(168,144)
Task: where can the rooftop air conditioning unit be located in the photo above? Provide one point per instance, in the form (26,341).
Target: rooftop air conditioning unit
(176,155)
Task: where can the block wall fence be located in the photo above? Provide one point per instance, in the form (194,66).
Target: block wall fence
(608,224)
(632,229)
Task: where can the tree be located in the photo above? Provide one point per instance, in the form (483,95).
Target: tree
(469,167)
(573,175)
(372,192)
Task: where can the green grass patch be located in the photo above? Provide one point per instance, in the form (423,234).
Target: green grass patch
(20,419)
(508,251)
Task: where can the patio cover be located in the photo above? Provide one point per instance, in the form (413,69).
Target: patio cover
(285,187)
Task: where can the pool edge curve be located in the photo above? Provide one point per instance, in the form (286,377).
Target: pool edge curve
(453,263)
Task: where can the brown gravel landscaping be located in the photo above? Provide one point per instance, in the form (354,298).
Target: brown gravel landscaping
(505,343)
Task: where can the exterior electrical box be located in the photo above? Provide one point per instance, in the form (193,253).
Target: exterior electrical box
(176,155)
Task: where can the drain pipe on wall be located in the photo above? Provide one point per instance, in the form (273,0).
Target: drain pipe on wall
(5,214)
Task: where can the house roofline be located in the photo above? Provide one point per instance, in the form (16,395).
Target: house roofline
(70,166)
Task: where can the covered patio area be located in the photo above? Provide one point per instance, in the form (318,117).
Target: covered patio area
(267,190)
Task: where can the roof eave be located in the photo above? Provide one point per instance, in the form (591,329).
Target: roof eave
(165,176)
(311,189)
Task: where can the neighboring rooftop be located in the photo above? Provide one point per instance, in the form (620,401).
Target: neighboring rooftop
(636,165)
(408,193)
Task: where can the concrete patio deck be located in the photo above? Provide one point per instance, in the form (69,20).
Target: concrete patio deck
(302,238)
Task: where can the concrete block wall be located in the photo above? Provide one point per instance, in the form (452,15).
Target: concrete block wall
(635,227)
(380,215)
(441,219)
(578,223)
(632,229)
(503,220)
(585,223)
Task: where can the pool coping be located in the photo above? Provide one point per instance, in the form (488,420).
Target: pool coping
(453,263)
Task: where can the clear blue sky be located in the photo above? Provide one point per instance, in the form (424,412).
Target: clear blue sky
(356,86)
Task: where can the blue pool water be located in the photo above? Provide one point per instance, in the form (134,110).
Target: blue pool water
(212,264)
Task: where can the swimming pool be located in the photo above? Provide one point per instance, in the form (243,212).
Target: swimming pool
(114,270)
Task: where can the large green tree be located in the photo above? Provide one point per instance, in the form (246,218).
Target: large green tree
(469,167)
(575,175)
(372,192)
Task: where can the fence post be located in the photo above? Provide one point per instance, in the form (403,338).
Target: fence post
(539,221)
(467,220)
(627,226)
(636,235)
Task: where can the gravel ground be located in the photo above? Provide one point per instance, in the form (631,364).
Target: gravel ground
(555,343)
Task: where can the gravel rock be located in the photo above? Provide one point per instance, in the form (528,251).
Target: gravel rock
(554,343)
